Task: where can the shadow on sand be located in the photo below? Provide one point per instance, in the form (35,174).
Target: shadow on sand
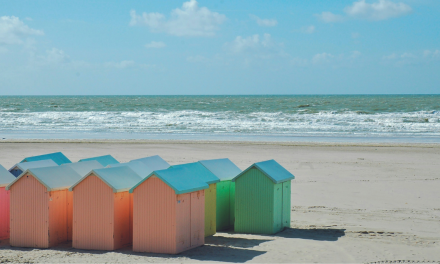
(312,234)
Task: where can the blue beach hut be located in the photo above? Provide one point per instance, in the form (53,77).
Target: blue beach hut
(18,168)
(57,157)
(225,170)
(104,160)
(154,162)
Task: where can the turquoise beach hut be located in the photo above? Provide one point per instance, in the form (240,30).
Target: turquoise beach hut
(225,170)
(18,168)
(137,166)
(104,160)
(154,162)
(262,198)
(57,157)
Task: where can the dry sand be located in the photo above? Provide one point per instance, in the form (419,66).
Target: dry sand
(350,203)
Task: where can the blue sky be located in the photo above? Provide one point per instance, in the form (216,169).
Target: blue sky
(219,47)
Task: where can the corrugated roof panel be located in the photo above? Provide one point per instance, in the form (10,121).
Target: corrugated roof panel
(104,160)
(181,180)
(272,170)
(155,162)
(58,157)
(83,168)
(34,164)
(224,169)
(5,177)
(200,171)
(138,166)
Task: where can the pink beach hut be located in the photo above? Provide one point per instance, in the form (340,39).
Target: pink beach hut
(5,178)
(101,209)
(168,212)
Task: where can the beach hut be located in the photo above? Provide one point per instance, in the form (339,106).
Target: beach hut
(57,157)
(209,178)
(18,168)
(262,198)
(5,179)
(168,212)
(154,162)
(39,207)
(225,170)
(104,160)
(101,209)
(139,167)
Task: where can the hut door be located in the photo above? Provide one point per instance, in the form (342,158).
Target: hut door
(197,218)
(278,207)
(286,203)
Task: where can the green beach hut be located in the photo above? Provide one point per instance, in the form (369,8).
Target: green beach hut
(262,198)
(225,170)
(199,171)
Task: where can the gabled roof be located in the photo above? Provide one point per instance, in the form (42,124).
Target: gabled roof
(83,168)
(272,170)
(155,162)
(224,169)
(137,166)
(34,164)
(58,157)
(54,178)
(5,177)
(104,160)
(120,179)
(179,179)
(200,171)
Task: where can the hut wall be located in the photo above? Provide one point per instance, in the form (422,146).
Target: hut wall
(93,215)
(122,218)
(254,195)
(197,218)
(29,213)
(183,222)
(4,213)
(210,210)
(57,217)
(223,205)
(154,218)
(69,215)
(232,204)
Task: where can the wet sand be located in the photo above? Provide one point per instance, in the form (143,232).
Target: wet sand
(350,202)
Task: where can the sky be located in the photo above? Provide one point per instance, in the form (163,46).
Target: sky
(219,47)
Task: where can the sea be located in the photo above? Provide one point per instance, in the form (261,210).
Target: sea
(302,118)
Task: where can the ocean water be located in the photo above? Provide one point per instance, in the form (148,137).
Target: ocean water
(411,118)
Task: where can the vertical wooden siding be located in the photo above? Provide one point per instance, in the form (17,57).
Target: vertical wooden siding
(154,217)
(287,193)
(183,222)
(197,218)
(122,220)
(254,203)
(69,215)
(223,206)
(210,210)
(93,215)
(4,213)
(29,213)
(57,217)
(232,204)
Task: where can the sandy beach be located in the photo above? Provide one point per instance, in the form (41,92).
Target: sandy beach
(350,202)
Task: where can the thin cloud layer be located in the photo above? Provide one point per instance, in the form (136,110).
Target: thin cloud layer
(190,20)
(13,30)
(241,44)
(264,22)
(155,45)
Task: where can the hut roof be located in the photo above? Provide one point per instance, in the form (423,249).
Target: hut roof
(120,179)
(200,171)
(83,168)
(5,176)
(139,167)
(54,178)
(155,162)
(57,157)
(272,170)
(104,160)
(34,164)
(224,169)
(181,180)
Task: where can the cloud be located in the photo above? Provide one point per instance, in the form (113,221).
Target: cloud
(13,30)
(190,20)
(435,54)
(56,56)
(322,58)
(241,44)
(411,58)
(355,54)
(329,17)
(264,22)
(308,30)
(381,10)
(155,45)
(121,65)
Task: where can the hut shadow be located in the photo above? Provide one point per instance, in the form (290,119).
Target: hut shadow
(233,241)
(321,234)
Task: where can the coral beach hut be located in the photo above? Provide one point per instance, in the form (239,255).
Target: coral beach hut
(225,170)
(209,178)
(39,207)
(18,168)
(262,198)
(168,212)
(5,178)
(57,157)
(101,209)
(154,162)
(104,160)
